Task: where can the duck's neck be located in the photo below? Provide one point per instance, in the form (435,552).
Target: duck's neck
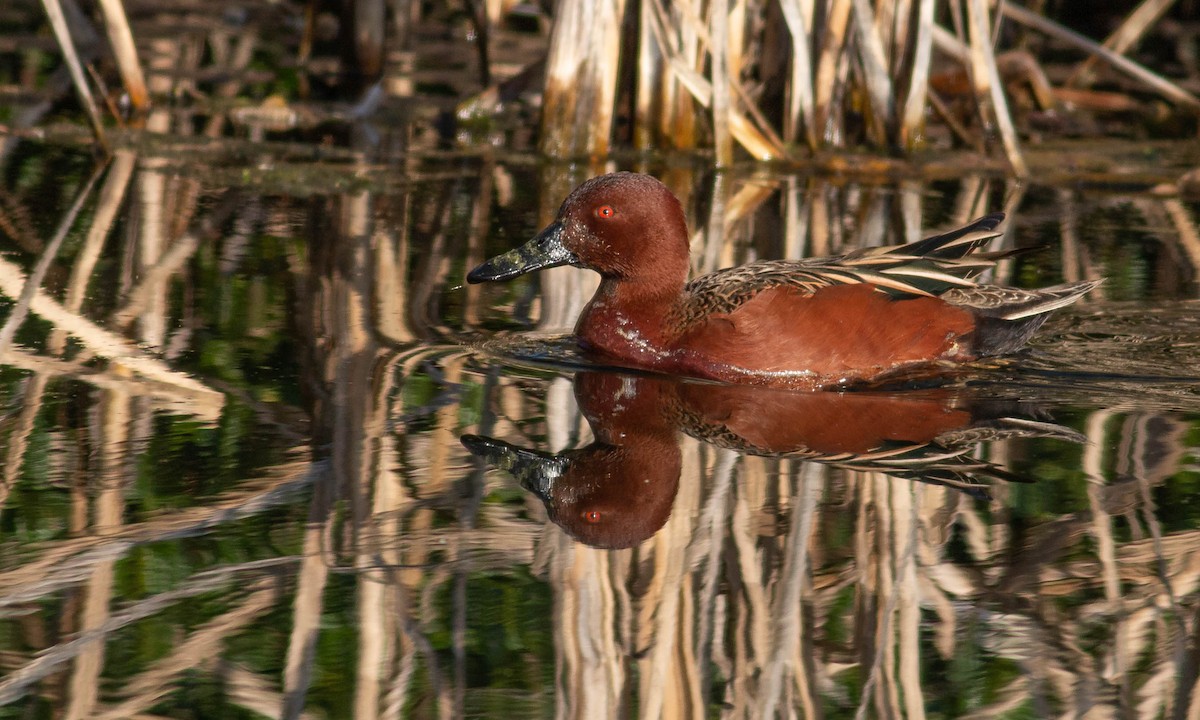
(627,318)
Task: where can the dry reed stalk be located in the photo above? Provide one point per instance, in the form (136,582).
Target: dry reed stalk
(581,77)
(234,64)
(62,33)
(110,427)
(33,283)
(752,130)
(1156,82)
(376,646)
(878,81)
(669,686)
(986,79)
(788,607)
(112,194)
(14,684)
(800,113)
(1186,233)
(678,124)
(649,77)
(34,390)
(680,85)
(912,118)
(905,498)
(722,101)
(61,563)
(102,342)
(739,26)
(254,692)
(148,688)
(829,67)
(121,39)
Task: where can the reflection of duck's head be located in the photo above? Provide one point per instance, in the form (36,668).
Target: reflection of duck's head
(617,491)
(606,496)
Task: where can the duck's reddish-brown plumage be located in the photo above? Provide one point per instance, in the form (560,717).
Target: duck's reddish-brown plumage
(807,324)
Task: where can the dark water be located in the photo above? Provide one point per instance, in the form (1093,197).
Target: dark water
(236,482)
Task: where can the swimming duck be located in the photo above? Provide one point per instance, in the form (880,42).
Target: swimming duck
(863,317)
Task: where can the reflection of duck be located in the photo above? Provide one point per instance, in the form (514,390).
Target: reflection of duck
(800,324)
(618,491)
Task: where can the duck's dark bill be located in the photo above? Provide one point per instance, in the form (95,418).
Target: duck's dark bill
(535,470)
(544,251)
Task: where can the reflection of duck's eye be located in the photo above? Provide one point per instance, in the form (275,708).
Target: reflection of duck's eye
(592,516)
(605,212)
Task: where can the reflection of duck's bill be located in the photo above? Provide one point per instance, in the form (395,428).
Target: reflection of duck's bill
(546,250)
(535,471)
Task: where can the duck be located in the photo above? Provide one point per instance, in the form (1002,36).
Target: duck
(865,317)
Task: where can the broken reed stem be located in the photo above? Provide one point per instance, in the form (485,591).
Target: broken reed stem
(62,33)
(121,39)
(1129,33)
(1156,82)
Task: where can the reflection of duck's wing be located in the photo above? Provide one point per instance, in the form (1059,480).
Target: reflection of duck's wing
(1010,428)
(946,460)
(928,463)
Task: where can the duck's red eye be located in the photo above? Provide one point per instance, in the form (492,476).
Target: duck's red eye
(592,516)
(604,212)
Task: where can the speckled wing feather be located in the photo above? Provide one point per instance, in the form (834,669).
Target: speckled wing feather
(1007,303)
(927,267)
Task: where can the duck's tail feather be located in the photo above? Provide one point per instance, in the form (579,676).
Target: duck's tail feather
(1007,317)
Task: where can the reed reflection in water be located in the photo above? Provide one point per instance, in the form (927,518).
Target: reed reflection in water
(233,475)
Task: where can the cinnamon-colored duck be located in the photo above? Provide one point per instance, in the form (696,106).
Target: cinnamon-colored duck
(861,317)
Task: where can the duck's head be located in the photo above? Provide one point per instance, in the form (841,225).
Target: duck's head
(624,226)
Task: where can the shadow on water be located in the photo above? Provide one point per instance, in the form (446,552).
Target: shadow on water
(234,482)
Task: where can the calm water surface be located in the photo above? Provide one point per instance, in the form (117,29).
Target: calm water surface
(265,455)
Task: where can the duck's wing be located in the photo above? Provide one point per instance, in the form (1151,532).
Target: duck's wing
(927,267)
